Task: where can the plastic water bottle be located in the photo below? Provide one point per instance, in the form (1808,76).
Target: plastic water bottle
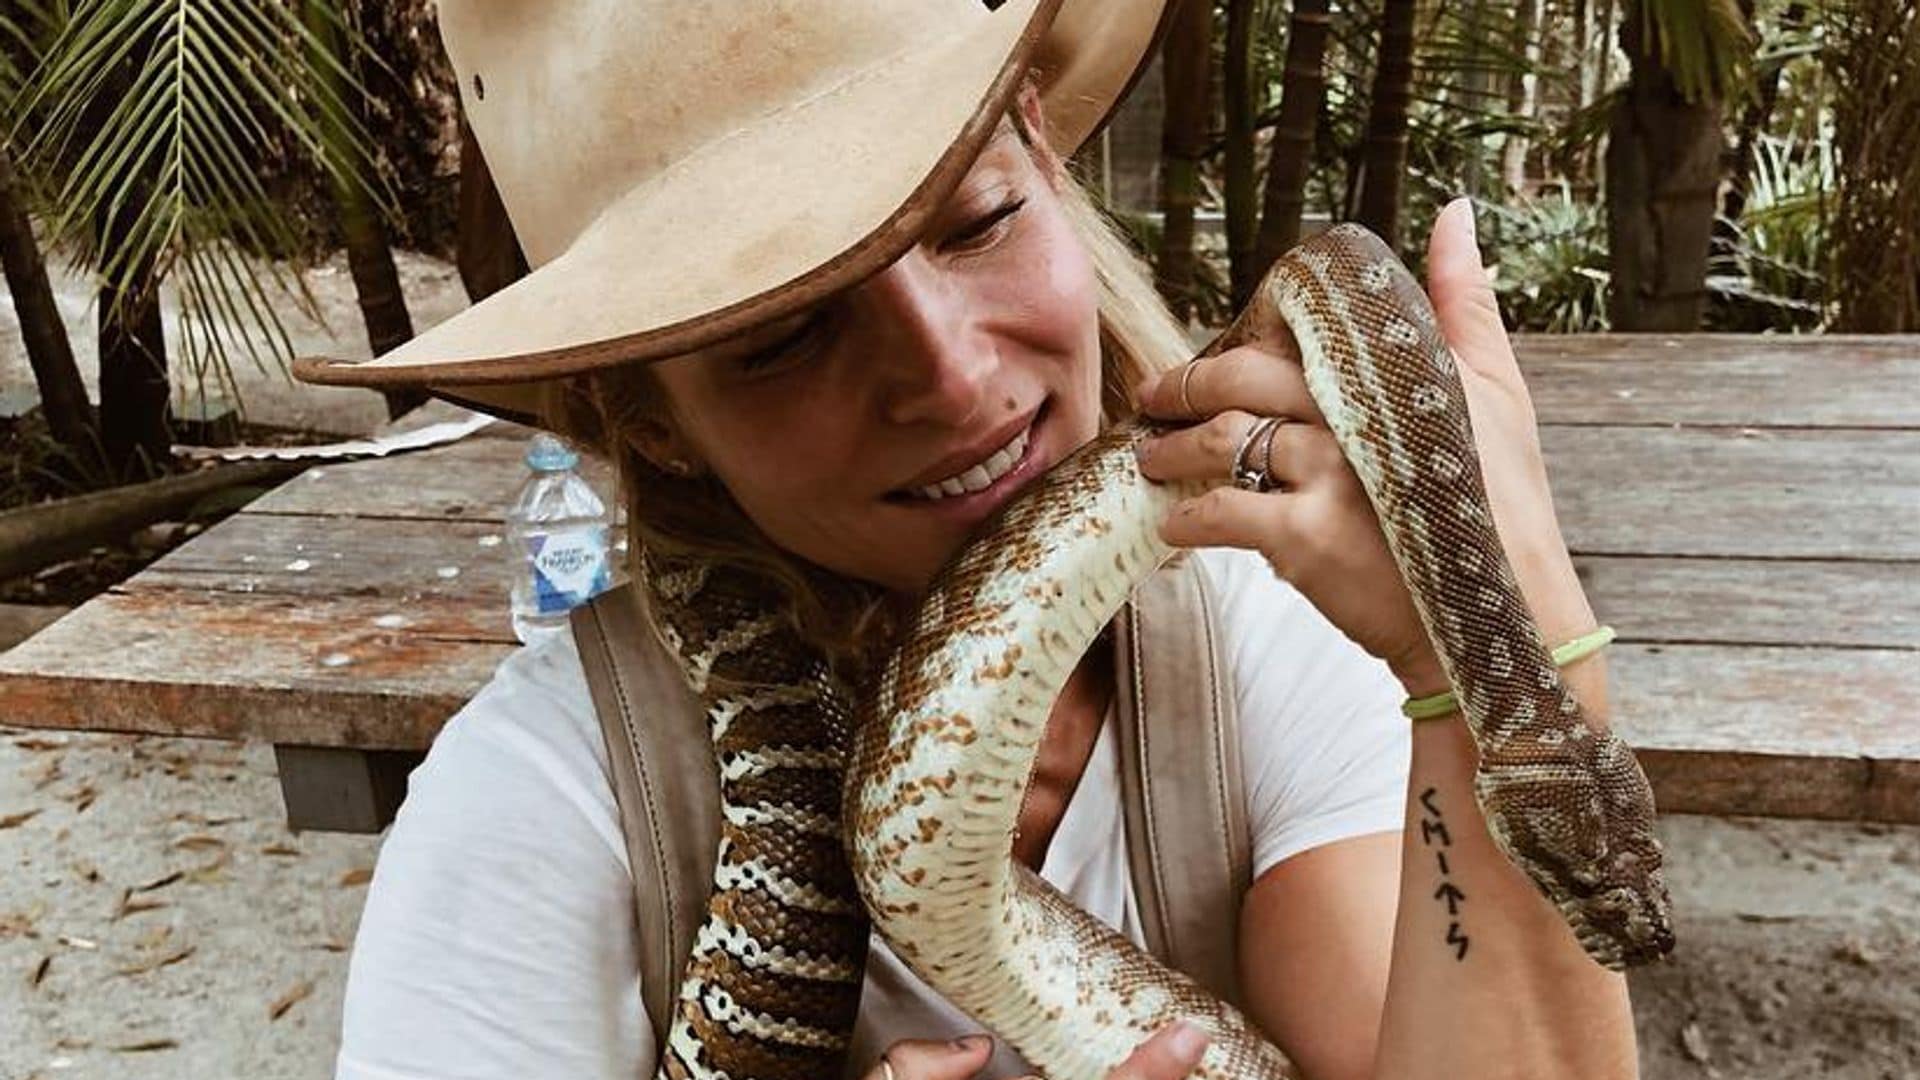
(559,527)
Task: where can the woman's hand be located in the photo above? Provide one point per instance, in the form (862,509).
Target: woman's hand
(1171,1054)
(1318,530)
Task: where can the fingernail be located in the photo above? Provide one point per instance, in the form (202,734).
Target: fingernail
(970,1043)
(1473,232)
(1142,449)
(1188,1041)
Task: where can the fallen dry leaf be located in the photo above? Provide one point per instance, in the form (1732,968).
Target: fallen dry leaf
(40,970)
(283,850)
(72,942)
(295,995)
(160,882)
(82,797)
(132,904)
(1694,1043)
(155,963)
(34,742)
(44,773)
(359,875)
(200,842)
(145,1045)
(9,821)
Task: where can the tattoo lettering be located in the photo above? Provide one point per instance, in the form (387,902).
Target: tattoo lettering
(1430,829)
(1456,938)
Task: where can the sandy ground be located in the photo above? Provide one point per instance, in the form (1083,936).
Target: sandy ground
(157,920)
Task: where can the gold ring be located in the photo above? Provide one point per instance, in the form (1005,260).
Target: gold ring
(1186,379)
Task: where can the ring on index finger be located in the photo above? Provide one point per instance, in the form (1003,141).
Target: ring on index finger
(1255,476)
(886,1068)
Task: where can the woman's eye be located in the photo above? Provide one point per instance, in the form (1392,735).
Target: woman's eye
(787,350)
(981,229)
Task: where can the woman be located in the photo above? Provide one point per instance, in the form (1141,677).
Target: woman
(872,335)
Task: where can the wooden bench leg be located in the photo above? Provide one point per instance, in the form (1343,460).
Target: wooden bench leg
(335,789)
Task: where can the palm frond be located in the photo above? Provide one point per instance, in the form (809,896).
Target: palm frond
(1705,45)
(155,113)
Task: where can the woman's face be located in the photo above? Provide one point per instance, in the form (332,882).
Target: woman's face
(872,433)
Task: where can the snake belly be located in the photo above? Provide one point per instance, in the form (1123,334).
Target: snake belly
(947,740)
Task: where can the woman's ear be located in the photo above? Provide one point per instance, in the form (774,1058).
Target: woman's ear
(665,447)
(1033,123)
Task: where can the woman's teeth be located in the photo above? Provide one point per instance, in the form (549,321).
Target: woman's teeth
(982,475)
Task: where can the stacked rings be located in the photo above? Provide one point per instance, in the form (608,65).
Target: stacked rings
(1256,477)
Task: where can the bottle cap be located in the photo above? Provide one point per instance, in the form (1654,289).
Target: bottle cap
(548,454)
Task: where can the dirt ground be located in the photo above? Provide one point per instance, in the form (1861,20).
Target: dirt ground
(158,921)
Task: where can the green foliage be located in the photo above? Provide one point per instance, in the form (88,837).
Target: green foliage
(1703,44)
(1550,270)
(1772,278)
(151,116)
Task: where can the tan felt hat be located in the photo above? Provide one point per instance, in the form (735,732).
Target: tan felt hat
(678,171)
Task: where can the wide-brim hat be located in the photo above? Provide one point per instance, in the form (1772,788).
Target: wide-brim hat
(680,171)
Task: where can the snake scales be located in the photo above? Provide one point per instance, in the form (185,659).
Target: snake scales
(936,761)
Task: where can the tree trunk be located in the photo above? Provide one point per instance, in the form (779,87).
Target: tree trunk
(134,413)
(1663,171)
(383,307)
(1183,141)
(1385,159)
(488,253)
(63,396)
(1241,192)
(1303,90)
(1521,95)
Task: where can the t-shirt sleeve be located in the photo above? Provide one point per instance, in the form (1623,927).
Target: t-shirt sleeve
(1324,746)
(498,936)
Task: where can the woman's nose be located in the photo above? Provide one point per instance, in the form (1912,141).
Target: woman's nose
(931,363)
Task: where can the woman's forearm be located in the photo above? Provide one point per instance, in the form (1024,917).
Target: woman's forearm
(1487,981)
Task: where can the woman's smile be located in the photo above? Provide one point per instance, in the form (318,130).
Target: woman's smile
(971,486)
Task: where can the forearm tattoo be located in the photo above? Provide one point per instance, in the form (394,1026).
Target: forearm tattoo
(1433,833)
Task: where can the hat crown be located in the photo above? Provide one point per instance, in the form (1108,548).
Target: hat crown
(577,103)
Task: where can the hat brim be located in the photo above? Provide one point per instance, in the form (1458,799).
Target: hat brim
(772,218)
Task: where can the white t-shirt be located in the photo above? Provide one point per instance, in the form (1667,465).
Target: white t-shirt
(498,938)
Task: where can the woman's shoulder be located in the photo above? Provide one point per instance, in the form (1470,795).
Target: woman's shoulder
(528,743)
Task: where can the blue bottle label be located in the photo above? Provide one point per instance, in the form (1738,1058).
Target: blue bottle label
(569,568)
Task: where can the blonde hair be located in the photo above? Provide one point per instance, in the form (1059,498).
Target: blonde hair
(675,519)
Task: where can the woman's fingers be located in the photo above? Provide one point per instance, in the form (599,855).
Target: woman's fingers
(1258,379)
(931,1059)
(1298,454)
(1173,1052)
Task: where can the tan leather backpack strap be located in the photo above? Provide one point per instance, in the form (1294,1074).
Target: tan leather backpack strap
(664,778)
(1181,783)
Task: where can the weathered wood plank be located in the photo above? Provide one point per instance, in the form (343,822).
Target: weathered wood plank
(459,562)
(1838,494)
(1756,602)
(1787,732)
(1726,379)
(316,671)
(470,480)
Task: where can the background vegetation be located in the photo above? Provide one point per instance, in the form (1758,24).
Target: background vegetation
(1665,165)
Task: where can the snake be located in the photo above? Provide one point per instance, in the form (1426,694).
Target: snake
(932,760)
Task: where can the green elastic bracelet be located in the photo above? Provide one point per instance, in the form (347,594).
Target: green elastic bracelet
(1440,704)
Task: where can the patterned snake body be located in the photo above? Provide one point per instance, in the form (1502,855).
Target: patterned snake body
(948,740)
(942,749)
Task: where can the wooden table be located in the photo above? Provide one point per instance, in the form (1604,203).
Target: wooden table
(1745,510)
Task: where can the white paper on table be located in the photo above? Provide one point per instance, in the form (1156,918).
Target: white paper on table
(436,434)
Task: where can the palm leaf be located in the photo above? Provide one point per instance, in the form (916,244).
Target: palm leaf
(1704,44)
(153,113)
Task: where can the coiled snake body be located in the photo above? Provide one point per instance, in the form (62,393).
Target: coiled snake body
(945,743)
